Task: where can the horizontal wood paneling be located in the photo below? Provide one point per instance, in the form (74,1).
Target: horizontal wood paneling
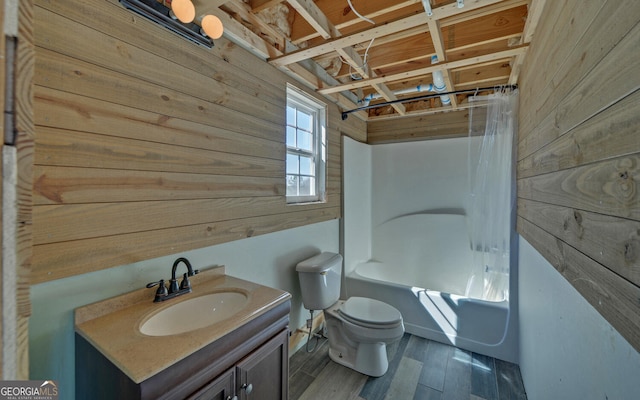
(579,153)
(71,185)
(610,133)
(68,111)
(60,72)
(436,126)
(607,187)
(611,295)
(79,149)
(589,31)
(613,242)
(148,145)
(59,260)
(236,69)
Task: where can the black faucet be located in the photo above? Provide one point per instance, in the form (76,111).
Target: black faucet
(163,293)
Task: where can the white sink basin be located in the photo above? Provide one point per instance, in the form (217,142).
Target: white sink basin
(195,313)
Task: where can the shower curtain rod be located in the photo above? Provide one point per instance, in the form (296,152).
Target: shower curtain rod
(345,114)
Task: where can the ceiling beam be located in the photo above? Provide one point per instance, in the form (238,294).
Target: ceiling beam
(438,44)
(533,17)
(505,54)
(350,40)
(240,34)
(307,72)
(354,59)
(377,31)
(316,18)
(268,33)
(337,9)
(259,5)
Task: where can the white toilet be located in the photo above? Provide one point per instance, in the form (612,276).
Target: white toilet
(359,328)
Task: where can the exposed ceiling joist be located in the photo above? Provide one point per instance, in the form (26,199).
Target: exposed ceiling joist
(506,54)
(377,31)
(308,10)
(328,45)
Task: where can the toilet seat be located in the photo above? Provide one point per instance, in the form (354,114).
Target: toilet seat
(369,313)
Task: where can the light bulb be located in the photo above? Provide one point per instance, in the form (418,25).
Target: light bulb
(184,10)
(212,26)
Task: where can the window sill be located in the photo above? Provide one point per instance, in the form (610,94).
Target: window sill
(306,202)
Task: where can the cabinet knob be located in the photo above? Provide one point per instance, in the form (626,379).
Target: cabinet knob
(247,387)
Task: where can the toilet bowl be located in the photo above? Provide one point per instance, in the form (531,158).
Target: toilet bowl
(358,328)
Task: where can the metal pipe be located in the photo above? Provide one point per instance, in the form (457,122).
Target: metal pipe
(345,114)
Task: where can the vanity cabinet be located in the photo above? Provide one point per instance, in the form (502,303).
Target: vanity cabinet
(261,375)
(251,362)
(222,388)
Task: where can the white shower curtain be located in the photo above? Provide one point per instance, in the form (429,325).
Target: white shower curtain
(491,200)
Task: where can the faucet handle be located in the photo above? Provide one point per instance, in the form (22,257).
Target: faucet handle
(162,289)
(185,284)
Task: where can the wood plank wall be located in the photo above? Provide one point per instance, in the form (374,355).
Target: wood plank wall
(579,152)
(25,132)
(148,145)
(16,49)
(434,126)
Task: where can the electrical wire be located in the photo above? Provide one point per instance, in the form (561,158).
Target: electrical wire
(364,62)
(366,53)
(360,15)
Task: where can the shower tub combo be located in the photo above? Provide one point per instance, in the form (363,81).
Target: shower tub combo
(422,265)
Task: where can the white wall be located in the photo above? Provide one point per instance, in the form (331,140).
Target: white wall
(386,181)
(267,259)
(567,349)
(419,176)
(356,228)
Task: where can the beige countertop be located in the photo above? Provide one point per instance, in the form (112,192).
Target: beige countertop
(112,326)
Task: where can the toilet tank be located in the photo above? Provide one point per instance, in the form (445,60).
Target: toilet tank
(320,280)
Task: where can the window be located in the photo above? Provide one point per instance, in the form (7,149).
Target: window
(306,147)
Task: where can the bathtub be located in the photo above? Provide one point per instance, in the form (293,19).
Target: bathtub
(425,274)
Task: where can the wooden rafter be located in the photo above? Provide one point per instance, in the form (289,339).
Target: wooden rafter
(308,74)
(482,43)
(315,17)
(506,54)
(380,8)
(259,5)
(535,10)
(377,31)
(438,44)
(308,10)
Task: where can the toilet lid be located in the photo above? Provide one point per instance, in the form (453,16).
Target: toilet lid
(370,311)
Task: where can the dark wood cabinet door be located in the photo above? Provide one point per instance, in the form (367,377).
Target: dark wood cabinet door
(220,388)
(263,374)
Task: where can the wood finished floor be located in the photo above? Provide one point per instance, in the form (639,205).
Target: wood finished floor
(419,369)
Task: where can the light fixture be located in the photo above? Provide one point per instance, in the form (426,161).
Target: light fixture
(212,26)
(179,17)
(184,10)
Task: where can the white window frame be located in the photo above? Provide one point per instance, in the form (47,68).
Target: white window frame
(298,99)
